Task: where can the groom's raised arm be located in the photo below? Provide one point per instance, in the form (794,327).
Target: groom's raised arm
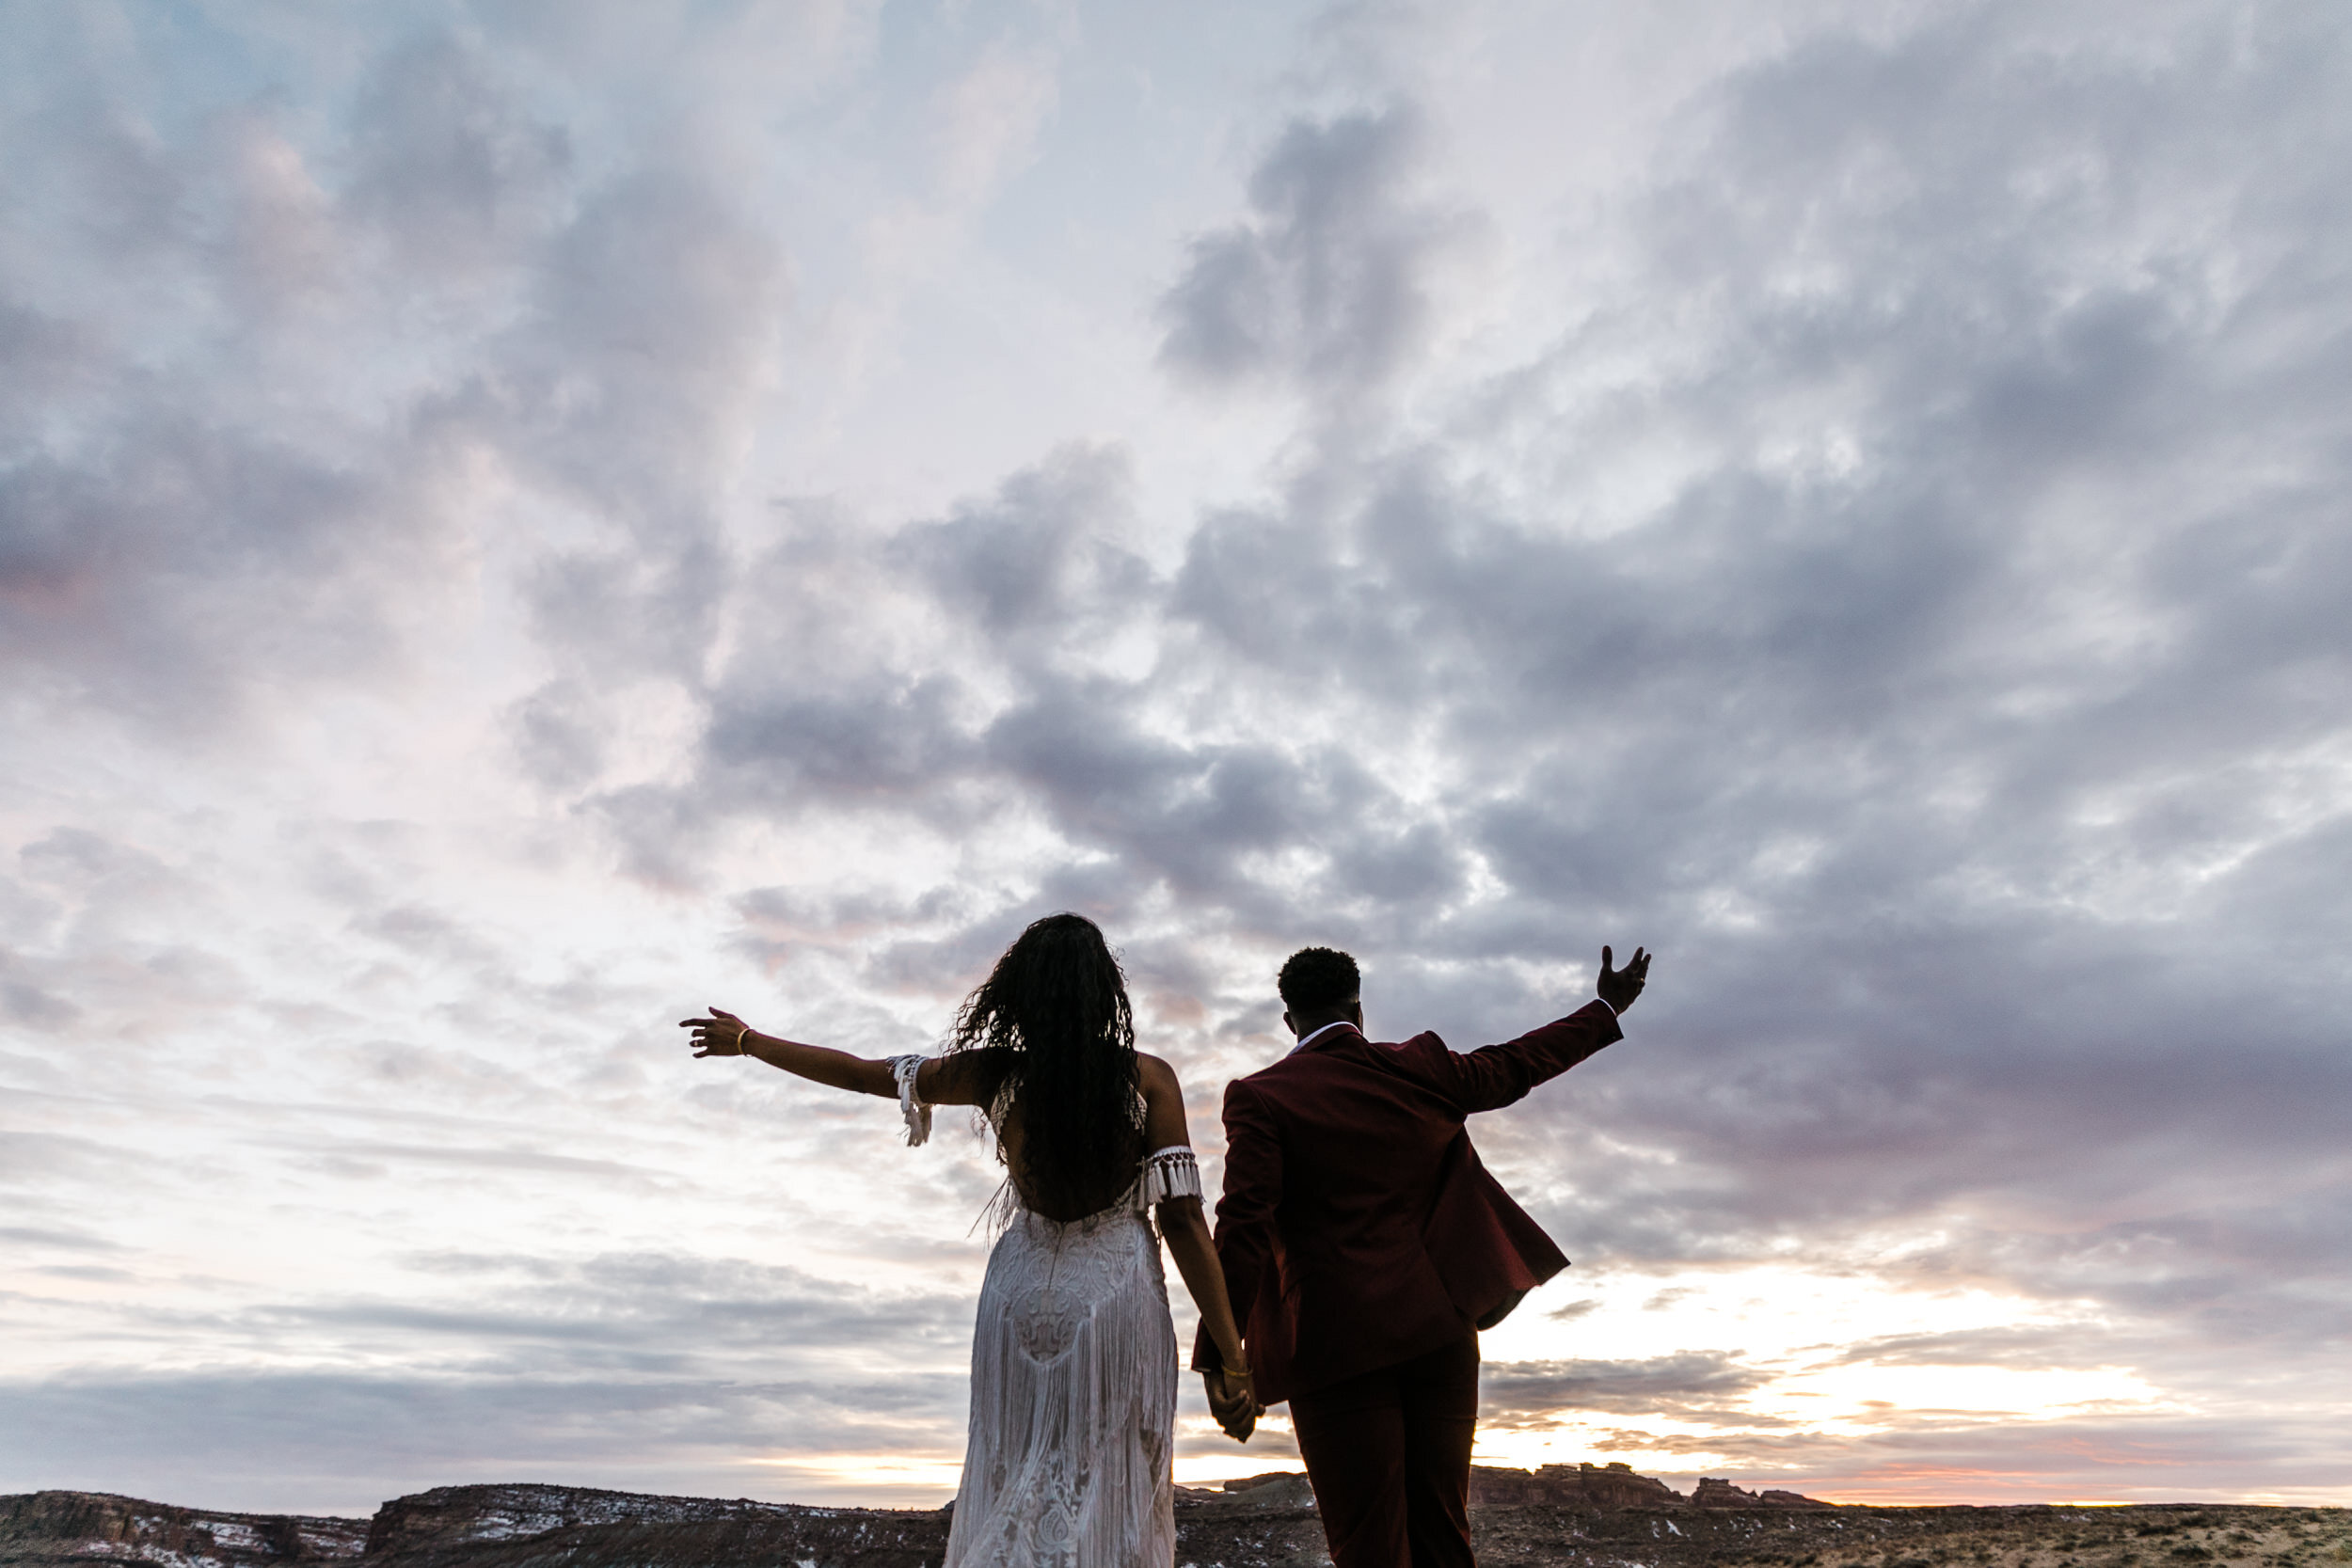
(1494,1076)
(1244,1212)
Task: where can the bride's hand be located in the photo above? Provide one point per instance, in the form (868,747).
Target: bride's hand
(720,1034)
(1233,1404)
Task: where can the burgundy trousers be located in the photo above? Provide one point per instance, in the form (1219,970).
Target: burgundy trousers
(1389,1454)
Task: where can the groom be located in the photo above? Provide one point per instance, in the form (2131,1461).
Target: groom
(1365,1246)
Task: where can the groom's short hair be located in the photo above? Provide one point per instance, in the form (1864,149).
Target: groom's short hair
(1314,978)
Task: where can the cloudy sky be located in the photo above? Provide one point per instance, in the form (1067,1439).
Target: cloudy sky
(520,520)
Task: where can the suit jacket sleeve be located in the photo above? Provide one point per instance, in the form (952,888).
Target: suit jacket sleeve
(1245,1213)
(1494,1076)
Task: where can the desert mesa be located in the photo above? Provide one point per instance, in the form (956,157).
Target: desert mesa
(1559,1517)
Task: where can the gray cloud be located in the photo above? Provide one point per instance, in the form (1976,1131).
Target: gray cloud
(68,1240)
(1325,279)
(499,1159)
(1687,1381)
(26,1003)
(563,1368)
(1036,554)
(651,1313)
(448,169)
(342,1442)
(97,555)
(171,545)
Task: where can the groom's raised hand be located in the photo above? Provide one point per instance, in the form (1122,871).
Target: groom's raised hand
(1619,988)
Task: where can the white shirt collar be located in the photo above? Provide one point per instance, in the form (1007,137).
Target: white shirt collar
(1304,1041)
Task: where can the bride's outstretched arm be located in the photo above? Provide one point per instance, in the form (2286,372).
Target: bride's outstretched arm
(722,1034)
(962,1080)
(955,1080)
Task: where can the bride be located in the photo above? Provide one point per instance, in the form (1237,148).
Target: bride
(1068,1461)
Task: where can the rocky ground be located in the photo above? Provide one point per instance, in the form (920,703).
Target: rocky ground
(1271,1525)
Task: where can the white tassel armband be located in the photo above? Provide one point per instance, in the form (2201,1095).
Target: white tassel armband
(910,1106)
(1169,1173)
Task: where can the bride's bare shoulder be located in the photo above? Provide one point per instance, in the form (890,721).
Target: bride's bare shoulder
(965,1077)
(1163,1119)
(1155,1072)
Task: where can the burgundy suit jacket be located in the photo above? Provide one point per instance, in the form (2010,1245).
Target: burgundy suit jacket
(1357,1228)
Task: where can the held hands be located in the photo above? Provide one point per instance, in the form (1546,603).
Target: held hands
(720,1034)
(1232,1403)
(1619,988)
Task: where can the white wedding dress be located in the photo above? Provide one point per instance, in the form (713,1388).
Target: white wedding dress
(1070,1459)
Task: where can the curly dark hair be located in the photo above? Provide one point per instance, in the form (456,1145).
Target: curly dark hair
(1314,978)
(1053,1015)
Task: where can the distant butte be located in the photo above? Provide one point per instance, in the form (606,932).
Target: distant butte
(1606,1486)
(1568,1515)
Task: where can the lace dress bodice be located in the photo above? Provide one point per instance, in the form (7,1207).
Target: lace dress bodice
(1069,1460)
